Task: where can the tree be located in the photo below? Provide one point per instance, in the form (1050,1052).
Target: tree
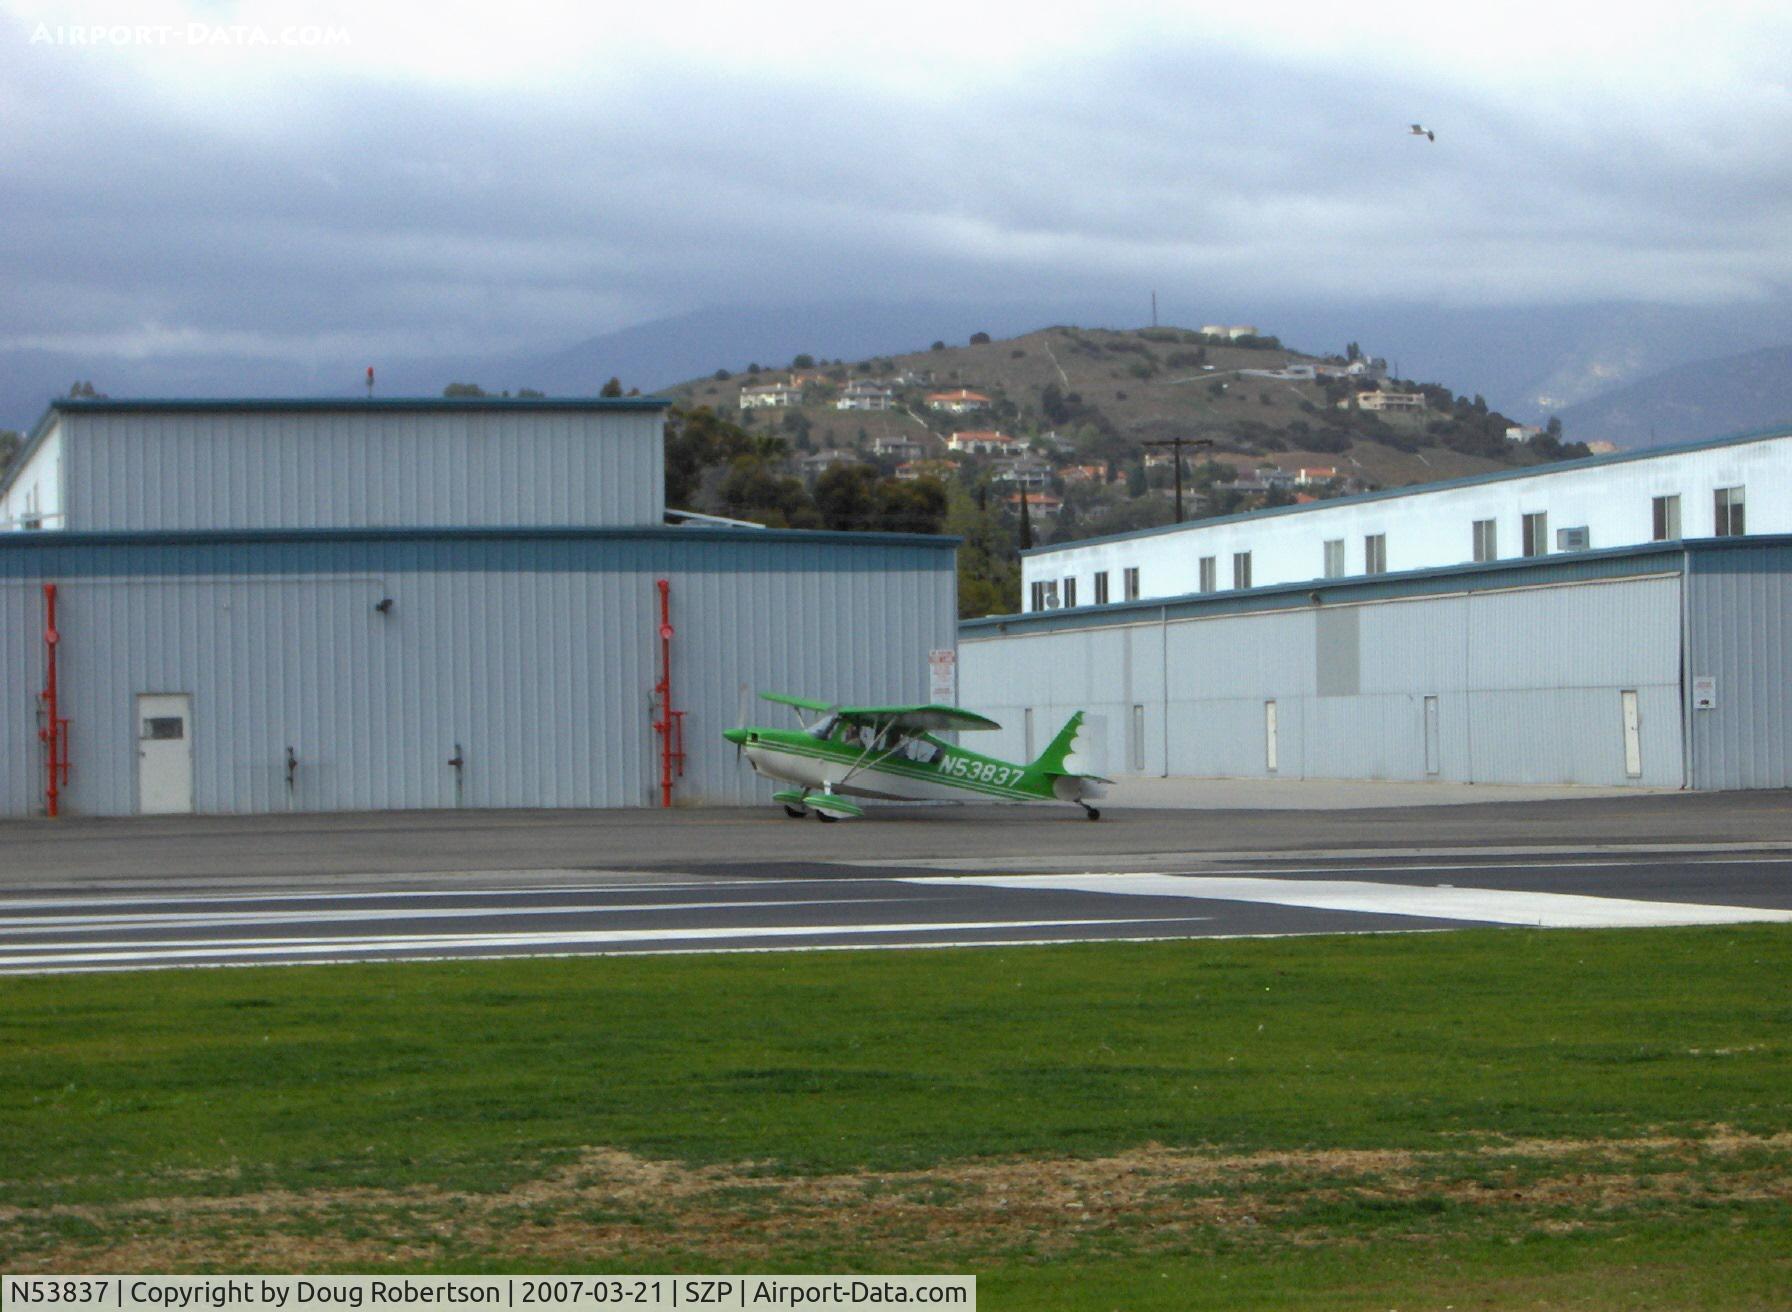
(611,388)
(847,497)
(10,442)
(803,362)
(979,339)
(530,394)
(937,346)
(463,390)
(1026,523)
(1553,428)
(82,389)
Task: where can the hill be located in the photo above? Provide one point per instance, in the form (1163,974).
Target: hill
(1095,396)
(1711,398)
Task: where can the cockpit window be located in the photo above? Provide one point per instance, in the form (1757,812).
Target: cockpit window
(824,727)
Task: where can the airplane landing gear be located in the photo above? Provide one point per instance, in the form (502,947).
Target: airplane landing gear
(794,812)
(827,819)
(1092,812)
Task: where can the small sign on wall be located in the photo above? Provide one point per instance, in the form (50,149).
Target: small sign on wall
(1704,692)
(942,683)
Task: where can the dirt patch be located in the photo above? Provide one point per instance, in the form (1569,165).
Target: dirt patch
(610,1204)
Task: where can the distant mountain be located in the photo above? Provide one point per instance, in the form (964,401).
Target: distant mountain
(1711,398)
(1529,362)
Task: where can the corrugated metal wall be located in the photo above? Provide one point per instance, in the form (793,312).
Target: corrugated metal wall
(1739,622)
(536,654)
(305,468)
(1527,681)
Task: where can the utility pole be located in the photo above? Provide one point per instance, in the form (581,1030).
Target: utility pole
(1179,443)
(1154,309)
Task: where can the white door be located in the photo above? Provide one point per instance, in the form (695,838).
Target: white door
(1270,749)
(164,753)
(1633,737)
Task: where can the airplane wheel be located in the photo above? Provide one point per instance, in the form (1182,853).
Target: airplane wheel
(795,813)
(826,819)
(1093,813)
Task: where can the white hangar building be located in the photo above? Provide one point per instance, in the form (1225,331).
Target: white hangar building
(1654,652)
(363,605)
(1707,489)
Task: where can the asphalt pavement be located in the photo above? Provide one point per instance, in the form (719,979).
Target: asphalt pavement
(202,891)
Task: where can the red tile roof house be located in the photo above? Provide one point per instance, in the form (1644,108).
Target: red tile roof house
(983,441)
(959,402)
(1038,503)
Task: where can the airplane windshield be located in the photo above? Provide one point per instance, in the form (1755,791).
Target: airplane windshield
(824,727)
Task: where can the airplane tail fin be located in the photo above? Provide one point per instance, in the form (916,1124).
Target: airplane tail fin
(1051,760)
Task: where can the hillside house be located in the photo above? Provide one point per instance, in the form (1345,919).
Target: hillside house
(1028,473)
(770,396)
(1307,476)
(1084,473)
(1388,402)
(864,395)
(984,442)
(1038,503)
(960,401)
(1523,432)
(814,466)
(911,470)
(897,447)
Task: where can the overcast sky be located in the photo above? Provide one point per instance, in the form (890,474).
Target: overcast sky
(278,180)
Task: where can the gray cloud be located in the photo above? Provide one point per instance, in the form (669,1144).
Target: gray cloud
(343,213)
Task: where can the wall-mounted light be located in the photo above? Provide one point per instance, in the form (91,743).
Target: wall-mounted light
(383,605)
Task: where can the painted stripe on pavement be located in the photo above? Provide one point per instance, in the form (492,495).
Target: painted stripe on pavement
(1486,905)
(49,954)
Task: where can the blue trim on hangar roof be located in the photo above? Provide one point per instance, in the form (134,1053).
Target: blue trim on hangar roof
(160,553)
(1415,489)
(1700,555)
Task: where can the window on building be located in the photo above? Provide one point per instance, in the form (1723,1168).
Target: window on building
(1729,512)
(1036,599)
(1069,592)
(1375,553)
(1667,519)
(1210,577)
(1101,588)
(1131,579)
(1241,569)
(1334,559)
(1536,534)
(1486,540)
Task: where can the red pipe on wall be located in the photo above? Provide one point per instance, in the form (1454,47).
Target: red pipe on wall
(670,724)
(54,731)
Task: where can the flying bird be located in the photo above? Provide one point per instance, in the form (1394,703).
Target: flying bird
(1420,130)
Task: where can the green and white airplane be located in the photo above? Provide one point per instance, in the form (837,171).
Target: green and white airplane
(890,752)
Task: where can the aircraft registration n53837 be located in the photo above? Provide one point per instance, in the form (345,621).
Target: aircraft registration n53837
(891,753)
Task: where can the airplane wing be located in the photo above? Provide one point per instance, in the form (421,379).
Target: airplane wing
(918,719)
(904,719)
(801,703)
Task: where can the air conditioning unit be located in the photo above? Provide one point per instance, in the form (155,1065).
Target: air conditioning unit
(1572,539)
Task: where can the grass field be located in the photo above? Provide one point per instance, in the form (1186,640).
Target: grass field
(1485,1118)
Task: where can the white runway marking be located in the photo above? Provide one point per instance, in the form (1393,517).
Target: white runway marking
(1487,905)
(197,951)
(213,919)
